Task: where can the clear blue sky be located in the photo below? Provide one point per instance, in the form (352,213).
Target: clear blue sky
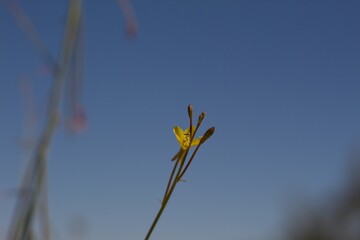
(278,79)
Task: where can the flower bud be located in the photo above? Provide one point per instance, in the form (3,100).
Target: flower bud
(190,111)
(201,118)
(207,135)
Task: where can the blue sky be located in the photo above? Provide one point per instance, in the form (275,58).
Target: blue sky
(278,79)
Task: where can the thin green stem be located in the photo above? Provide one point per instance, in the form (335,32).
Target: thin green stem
(171,178)
(166,197)
(189,162)
(163,205)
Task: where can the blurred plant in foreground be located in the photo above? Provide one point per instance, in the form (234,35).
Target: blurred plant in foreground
(32,194)
(336,218)
(34,199)
(186,140)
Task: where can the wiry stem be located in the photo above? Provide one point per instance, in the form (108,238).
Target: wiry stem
(171,177)
(167,196)
(189,162)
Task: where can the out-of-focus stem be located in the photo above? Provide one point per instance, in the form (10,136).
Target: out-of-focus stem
(35,178)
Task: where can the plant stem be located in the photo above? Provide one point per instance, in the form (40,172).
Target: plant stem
(171,178)
(167,196)
(163,205)
(189,162)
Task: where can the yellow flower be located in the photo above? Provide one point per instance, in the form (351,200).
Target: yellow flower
(184,137)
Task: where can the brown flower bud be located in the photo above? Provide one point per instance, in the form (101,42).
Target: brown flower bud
(207,135)
(190,111)
(201,118)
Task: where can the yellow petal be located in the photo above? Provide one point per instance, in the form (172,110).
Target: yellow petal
(179,134)
(196,141)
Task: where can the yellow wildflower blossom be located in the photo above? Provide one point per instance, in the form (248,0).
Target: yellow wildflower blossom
(184,137)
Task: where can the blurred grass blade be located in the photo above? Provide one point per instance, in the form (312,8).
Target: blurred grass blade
(128,12)
(76,117)
(30,115)
(44,218)
(29,29)
(34,180)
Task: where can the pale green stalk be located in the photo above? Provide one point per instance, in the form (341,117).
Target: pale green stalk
(167,196)
(35,181)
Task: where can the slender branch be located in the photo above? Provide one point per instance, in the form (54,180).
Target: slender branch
(163,205)
(189,162)
(171,178)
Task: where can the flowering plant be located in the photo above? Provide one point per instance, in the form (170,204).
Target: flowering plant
(186,139)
